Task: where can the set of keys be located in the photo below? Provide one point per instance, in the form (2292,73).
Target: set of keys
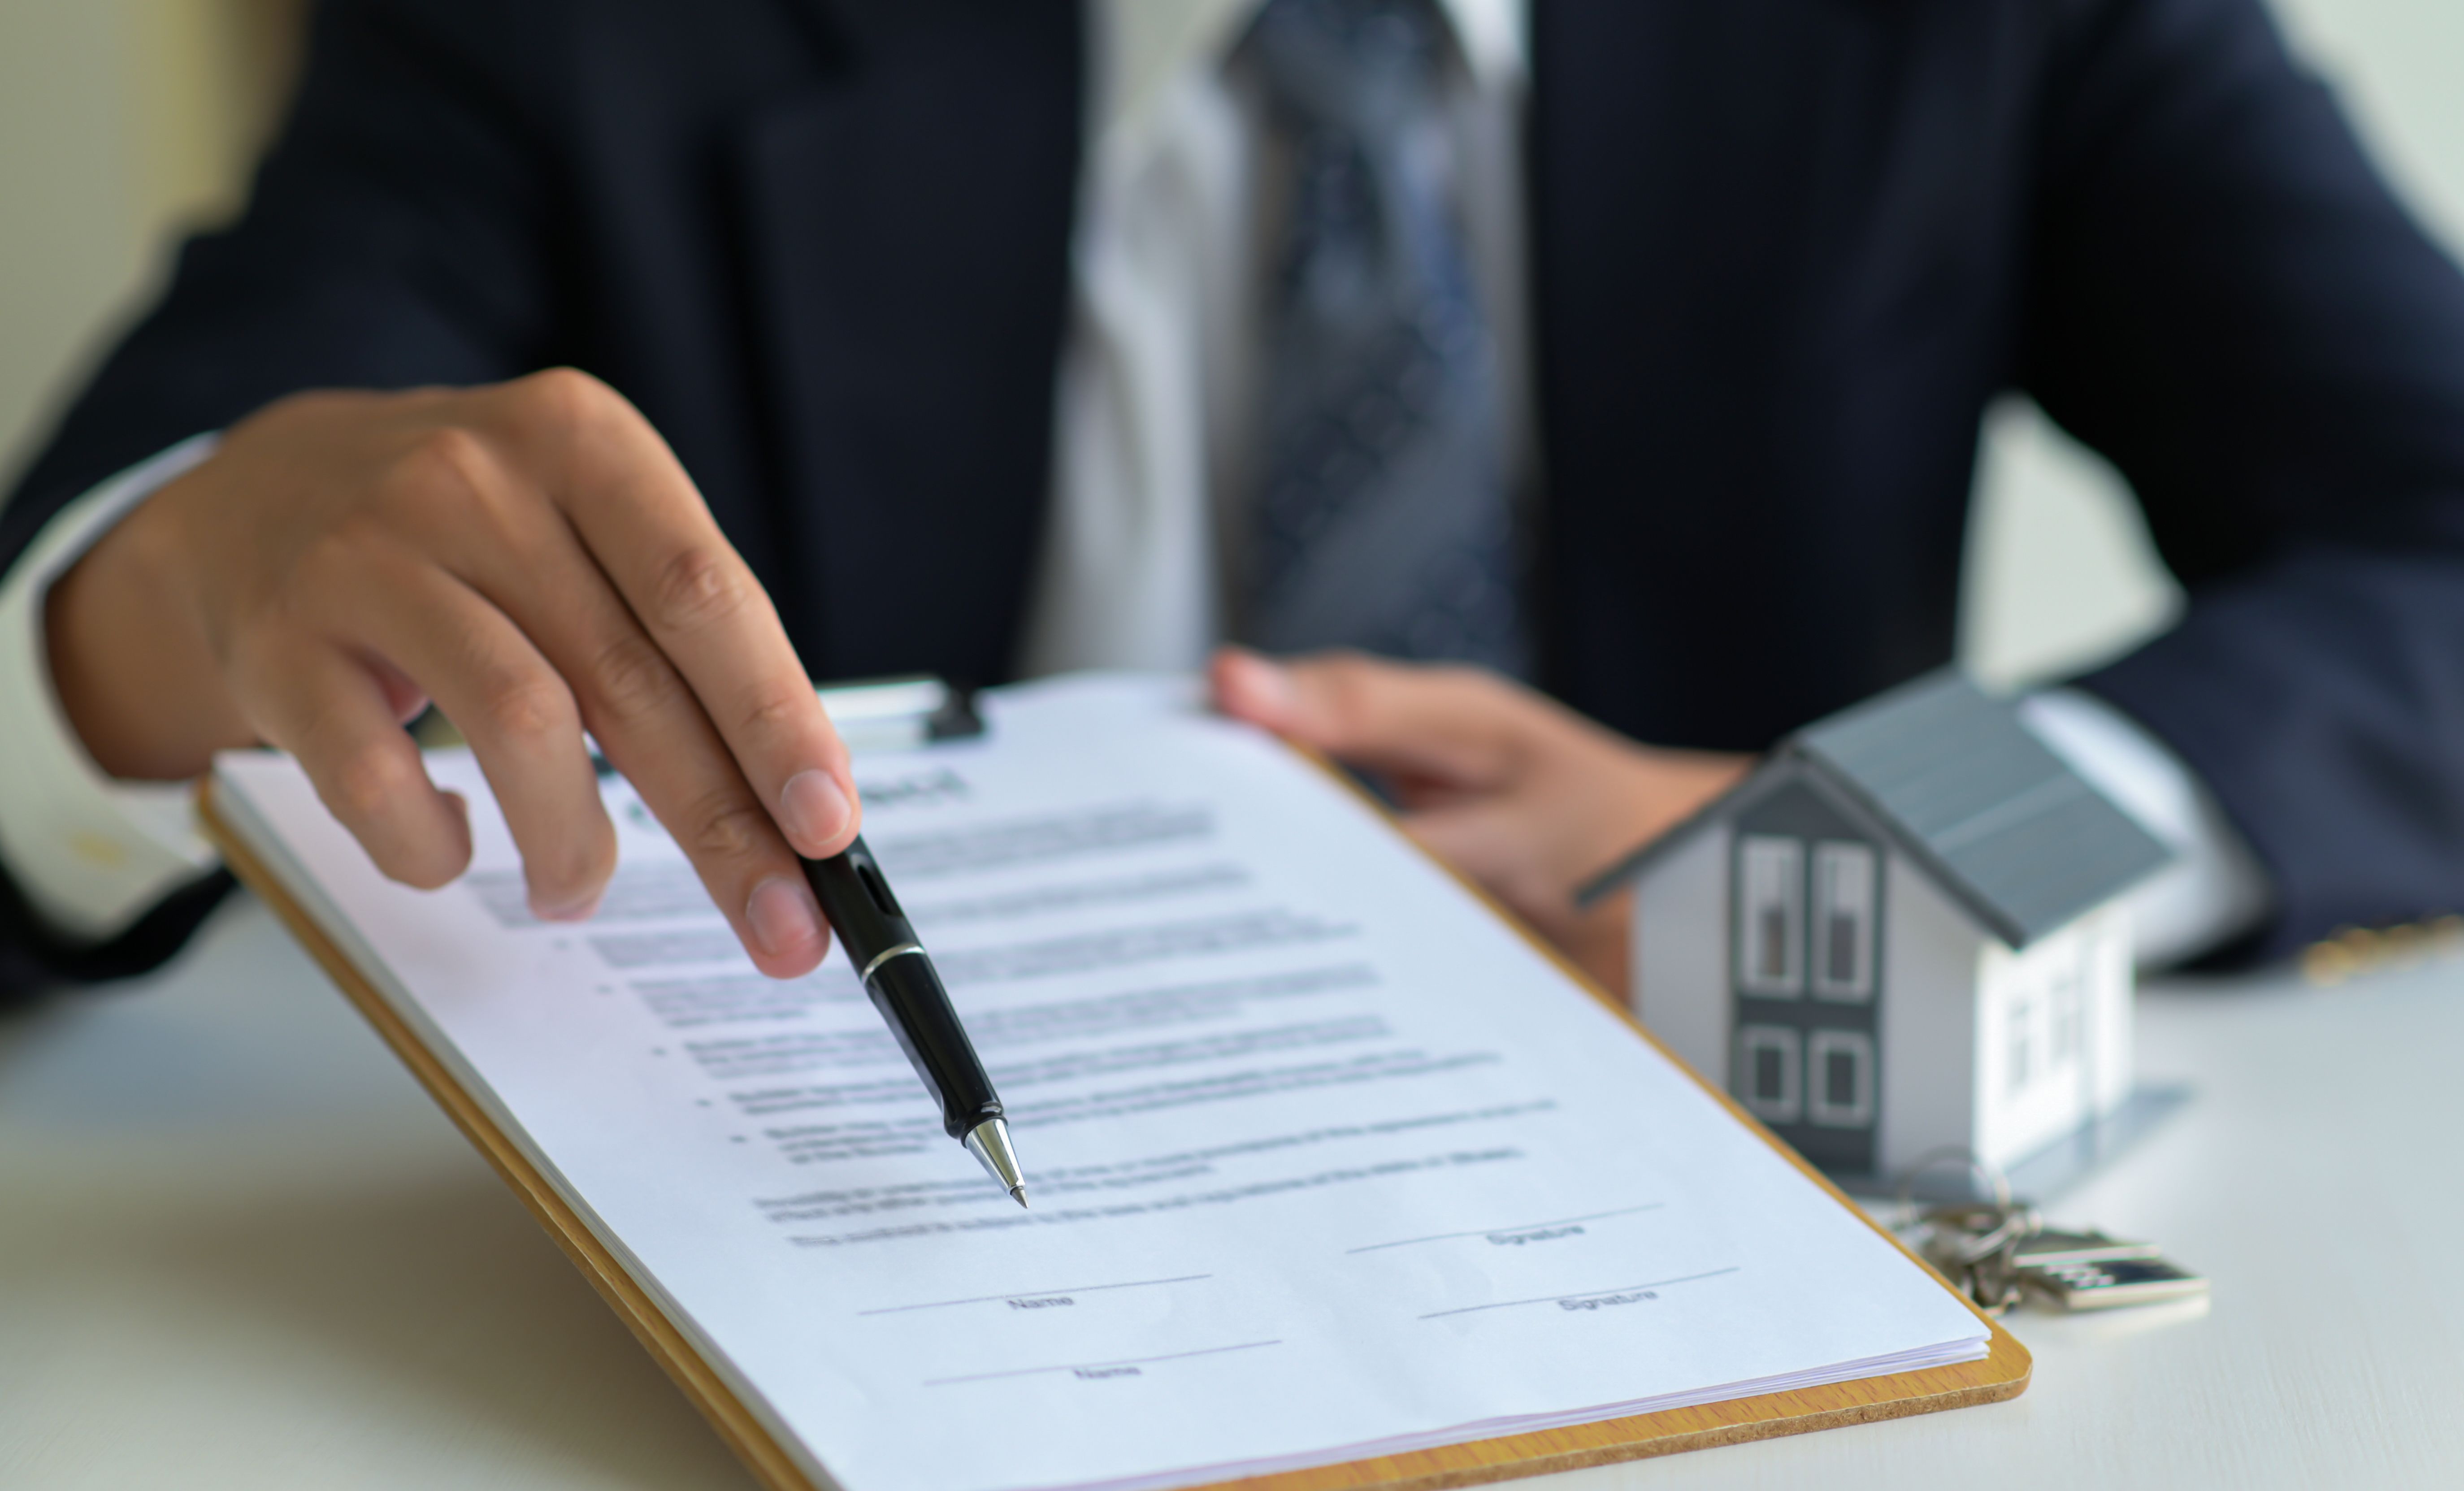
(2000,1251)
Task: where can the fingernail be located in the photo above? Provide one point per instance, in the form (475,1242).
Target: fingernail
(1267,680)
(813,808)
(581,911)
(783,917)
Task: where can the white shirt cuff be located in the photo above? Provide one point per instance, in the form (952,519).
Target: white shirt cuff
(91,853)
(2215,888)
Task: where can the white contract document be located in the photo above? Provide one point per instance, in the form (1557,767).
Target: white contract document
(1325,1161)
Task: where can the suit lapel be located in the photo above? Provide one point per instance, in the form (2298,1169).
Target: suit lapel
(907,225)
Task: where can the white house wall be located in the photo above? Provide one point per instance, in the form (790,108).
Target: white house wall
(2116,959)
(2055,1045)
(1929,959)
(1681,952)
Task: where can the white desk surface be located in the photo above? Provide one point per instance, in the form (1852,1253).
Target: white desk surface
(238,1248)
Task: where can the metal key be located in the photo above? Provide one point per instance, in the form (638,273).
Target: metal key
(2114,1282)
(1976,1245)
(1996,1252)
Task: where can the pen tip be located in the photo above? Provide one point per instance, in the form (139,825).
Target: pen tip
(989,1143)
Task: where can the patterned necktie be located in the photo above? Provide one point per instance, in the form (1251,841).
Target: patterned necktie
(1383,520)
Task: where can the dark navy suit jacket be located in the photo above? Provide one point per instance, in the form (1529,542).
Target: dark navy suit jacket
(1784,251)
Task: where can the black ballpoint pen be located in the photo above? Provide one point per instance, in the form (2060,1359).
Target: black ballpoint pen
(903,985)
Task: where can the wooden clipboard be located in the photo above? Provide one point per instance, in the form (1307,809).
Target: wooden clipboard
(2002,1374)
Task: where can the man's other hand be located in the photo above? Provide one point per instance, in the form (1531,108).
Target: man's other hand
(1520,793)
(528,555)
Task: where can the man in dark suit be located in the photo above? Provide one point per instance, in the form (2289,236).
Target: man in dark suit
(829,266)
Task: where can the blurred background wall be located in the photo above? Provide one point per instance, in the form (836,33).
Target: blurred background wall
(124,122)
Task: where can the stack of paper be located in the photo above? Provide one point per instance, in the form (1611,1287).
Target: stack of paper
(1326,1160)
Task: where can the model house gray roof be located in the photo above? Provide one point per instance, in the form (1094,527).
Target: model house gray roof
(1967,791)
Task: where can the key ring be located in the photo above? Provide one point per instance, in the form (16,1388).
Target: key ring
(1973,1243)
(1982,1228)
(2009,1227)
(1968,1160)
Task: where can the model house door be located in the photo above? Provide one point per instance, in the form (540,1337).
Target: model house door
(1805,962)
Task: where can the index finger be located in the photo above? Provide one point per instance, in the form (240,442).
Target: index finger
(645,523)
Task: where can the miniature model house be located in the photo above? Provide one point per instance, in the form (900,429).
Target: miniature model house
(1900,934)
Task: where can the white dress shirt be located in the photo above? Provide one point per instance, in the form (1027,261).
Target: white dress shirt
(91,853)
(1153,423)
(1154,410)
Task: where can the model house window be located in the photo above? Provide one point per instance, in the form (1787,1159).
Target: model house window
(1770,916)
(1769,1069)
(2069,1016)
(1839,1079)
(1843,922)
(2022,1046)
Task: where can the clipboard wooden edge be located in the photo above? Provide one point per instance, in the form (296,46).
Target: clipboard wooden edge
(745,1435)
(2003,1372)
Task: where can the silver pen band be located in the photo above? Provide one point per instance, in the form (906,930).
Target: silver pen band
(885,955)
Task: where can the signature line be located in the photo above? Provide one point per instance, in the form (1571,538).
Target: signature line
(1127,1361)
(1590,1294)
(1033,1294)
(1482,1231)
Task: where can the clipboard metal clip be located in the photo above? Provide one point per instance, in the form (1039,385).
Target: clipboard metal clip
(870,714)
(901,713)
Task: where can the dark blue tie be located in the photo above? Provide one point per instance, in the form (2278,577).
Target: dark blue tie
(1383,520)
